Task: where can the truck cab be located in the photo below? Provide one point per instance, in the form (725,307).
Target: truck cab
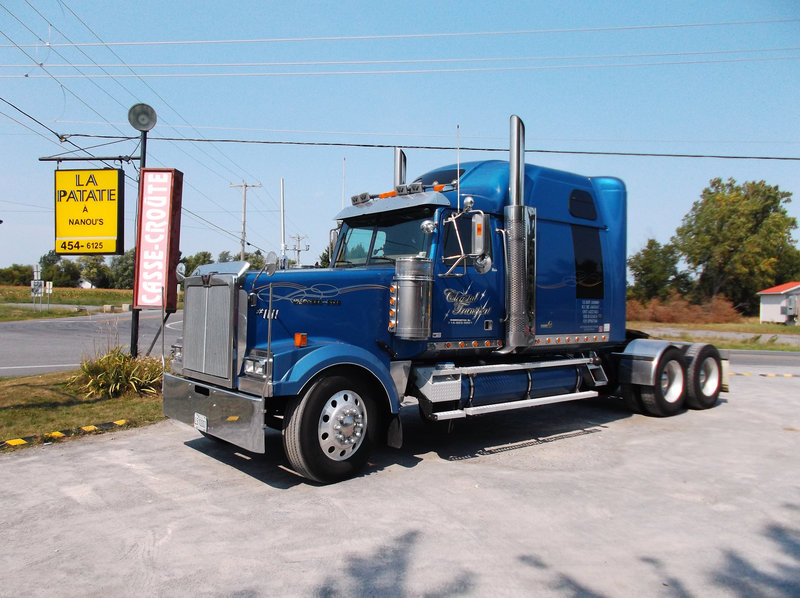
(478,287)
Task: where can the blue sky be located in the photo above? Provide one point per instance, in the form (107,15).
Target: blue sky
(711,78)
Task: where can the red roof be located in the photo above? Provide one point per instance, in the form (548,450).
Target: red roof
(781,288)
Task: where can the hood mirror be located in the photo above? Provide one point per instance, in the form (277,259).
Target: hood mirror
(180,271)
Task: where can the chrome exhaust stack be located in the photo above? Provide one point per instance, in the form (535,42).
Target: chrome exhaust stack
(399,167)
(520,262)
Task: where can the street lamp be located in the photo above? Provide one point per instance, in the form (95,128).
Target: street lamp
(142,118)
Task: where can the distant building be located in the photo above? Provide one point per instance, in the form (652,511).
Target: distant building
(780,304)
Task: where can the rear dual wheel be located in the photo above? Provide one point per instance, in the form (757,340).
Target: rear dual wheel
(703,376)
(668,395)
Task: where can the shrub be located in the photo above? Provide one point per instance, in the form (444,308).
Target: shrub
(116,373)
(677,309)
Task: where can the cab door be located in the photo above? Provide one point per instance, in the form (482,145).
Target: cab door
(468,296)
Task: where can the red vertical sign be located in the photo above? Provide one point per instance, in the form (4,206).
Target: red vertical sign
(158,239)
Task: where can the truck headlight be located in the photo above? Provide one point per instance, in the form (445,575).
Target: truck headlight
(255,366)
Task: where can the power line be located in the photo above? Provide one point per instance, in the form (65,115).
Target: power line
(413,60)
(454,148)
(553,67)
(435,35)
(48,74)
(384,134)
(168,105)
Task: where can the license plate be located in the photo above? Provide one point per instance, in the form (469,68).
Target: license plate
(201,422)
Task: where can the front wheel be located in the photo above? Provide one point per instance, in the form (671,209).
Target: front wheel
(326,431)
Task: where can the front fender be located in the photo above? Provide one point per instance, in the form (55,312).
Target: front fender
(327,356)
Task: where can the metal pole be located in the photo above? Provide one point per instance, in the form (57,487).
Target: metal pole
(134,311)
(244,217)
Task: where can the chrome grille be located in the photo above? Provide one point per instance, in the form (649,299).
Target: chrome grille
(208,327)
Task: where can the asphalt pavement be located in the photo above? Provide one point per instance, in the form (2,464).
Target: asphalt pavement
(579,499)
(32,347)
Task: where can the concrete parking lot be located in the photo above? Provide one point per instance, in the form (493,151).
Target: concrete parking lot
(580,499)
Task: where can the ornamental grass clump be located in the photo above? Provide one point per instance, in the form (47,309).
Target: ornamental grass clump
(116,373)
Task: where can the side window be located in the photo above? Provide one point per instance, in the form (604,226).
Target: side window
(356,246)
(588,263)
(581,205)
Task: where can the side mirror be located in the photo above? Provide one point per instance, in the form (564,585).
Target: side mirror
(271,263)
(180,271)
(333,236)
(480,243)
(483,264)
(428,227)
(480,238)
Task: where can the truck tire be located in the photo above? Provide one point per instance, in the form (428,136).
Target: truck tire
(703,376)
(668,395)
(326,431)
(632,397)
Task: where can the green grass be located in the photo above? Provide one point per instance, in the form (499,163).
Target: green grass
(762,337)
(39,405)
(68,296)
(10,313)
(756,343)
(747,325)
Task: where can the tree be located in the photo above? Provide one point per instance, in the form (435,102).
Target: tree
(65,273)
(224,257)
(325,258)
(51,258)
(17,275)
(734,238)
(122,270)
(198,259)
(256,259)
(655,271)
(94,269)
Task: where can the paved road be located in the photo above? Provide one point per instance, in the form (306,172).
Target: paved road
(578,499)
(33,347)
(37,346)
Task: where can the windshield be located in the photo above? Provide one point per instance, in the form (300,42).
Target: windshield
(382,238)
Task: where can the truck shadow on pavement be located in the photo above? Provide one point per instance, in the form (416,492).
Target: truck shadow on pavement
(507,431)
(466,439)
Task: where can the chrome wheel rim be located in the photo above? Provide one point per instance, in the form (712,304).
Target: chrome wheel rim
(342,425)
(672,381)
(709,377)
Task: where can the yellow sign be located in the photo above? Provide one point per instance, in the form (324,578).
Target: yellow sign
(90,211)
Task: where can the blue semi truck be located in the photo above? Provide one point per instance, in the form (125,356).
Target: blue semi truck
(478,287)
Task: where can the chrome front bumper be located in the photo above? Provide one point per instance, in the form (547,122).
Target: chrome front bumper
(233,417)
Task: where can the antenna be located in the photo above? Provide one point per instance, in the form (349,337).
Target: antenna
(344,163)
(458,167)
(283,262)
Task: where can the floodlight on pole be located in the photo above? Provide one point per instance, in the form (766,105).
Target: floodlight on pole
(142,118)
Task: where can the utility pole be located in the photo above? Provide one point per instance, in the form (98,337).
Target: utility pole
(244,187)
(297,249)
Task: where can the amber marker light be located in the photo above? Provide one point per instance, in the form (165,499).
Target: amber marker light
(300,339)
